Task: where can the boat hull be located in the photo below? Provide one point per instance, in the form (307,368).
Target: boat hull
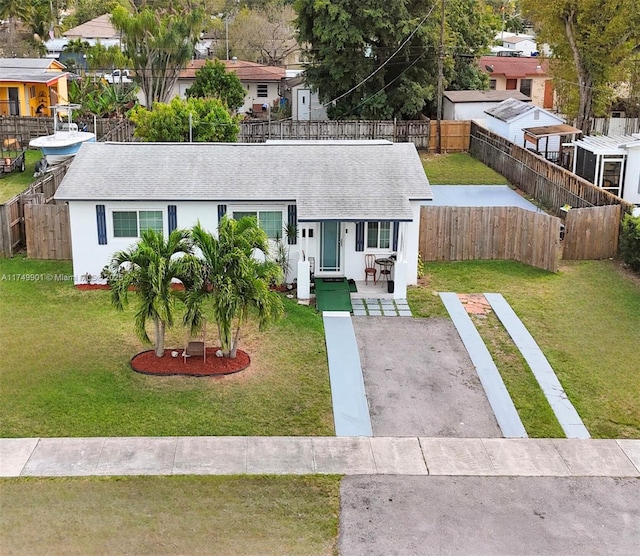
(62,145)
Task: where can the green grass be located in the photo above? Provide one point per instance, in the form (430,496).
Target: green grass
(170,515)
(16,182)
(65,369)
(586,319)
(459,168)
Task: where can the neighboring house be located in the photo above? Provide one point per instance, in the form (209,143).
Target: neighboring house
(27,83)
(471,105)
(612,163)
(262,83)
(527,75)
(98,30)
(304,102)
(346,198)
(511,116)
(524,45)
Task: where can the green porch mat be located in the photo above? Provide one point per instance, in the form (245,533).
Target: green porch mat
(332,294)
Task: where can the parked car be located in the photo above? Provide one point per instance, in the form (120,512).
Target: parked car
(117,76)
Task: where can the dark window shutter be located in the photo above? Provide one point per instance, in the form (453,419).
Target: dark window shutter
(359,236)
(172,211)
(292,220)
(102,224)
(222,210)
(396,229)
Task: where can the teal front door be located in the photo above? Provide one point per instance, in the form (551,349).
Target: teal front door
(330,247)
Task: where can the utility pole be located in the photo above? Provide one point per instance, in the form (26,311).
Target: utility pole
(440,82)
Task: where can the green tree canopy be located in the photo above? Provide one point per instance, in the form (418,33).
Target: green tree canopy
(379,59)
(160,42)
(593,43)
(214,81)
(234,280)
(201,119)
(150,267)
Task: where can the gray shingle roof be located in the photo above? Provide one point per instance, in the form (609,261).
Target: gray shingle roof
(328,181)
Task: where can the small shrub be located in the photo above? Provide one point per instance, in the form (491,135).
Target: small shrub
(630,242)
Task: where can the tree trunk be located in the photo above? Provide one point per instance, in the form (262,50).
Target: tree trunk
(234,345)
(584,78)
(159,332)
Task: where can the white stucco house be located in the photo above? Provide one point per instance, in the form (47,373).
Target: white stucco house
(346,198)
(511,116)
(261,83)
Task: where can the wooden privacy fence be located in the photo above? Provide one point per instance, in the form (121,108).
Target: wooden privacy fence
(106,129)
(456,136)
(47,231)
(551,185)
(592,233)
(41,191)
(401,131)
(471,233)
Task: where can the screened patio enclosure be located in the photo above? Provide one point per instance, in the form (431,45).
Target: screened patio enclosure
(602,161)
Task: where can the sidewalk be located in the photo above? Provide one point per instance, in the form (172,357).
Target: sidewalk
(45,457)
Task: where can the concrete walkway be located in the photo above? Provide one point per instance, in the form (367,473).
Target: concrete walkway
(497,394)
(48,457)
(380,307)
(562,407)
(349,399)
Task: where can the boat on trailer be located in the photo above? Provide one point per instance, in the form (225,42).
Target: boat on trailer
(66,139)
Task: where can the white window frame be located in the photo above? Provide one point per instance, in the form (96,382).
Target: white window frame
(379,225)
(257,212)
(137,211)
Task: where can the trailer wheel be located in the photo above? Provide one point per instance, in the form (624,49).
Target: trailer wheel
(22,164)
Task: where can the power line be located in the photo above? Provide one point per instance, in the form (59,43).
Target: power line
(384,63)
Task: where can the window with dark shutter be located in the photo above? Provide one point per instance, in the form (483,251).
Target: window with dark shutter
(359,236)
(292,221)
(172,212)
(101,220)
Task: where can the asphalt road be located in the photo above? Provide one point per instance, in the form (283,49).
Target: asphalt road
(489,516)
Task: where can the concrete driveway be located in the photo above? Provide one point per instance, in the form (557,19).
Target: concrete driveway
(484,516)
(419,380)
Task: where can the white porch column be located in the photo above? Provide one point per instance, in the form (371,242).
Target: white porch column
(400,279)
(304,280)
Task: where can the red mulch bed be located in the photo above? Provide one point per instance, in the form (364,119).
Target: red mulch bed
(147,363)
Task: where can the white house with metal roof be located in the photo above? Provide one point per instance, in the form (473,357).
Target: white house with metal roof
(511,116)
(346,198)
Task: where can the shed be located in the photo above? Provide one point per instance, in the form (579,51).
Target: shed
(509,118)
(471,105)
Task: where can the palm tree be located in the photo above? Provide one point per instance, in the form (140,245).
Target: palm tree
(234,279)
(150,267)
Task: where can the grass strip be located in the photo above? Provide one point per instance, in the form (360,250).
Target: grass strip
(170,515)
(535,412)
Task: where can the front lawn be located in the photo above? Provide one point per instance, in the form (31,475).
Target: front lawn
(65,369)
(586,320)
(16,182)
(459,168)
(170,515)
